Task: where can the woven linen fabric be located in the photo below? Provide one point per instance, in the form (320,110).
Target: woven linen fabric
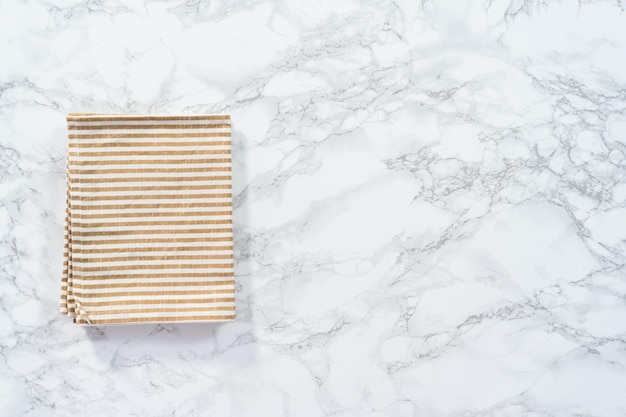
(148,235)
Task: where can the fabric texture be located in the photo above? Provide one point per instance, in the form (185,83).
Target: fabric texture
(148,235)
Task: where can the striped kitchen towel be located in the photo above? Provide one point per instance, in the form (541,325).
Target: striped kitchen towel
(148,234)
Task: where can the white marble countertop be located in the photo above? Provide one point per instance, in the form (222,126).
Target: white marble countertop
(430,206)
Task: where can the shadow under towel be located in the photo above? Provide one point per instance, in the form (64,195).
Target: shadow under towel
(148,234)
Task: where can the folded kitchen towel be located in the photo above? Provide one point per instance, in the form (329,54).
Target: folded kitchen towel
(148,235)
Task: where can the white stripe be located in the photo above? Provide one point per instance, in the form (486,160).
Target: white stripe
(130,263)
(222,304)
(80,192)
(159,164)
(200,236)
(197,229)
(183,131)
(212,149)
(87,122)
(166,244)
(199,153)
(165,252)
(207,141)
(157,211)
(197,282)
(201,239)
(157,216)
(159,298)
(180,268)
(172,315)
(212,200)
(130,290)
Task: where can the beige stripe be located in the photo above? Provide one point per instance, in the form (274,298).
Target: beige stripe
(123,292)
(152,214)
(150,267)
(147,144)
(90,117)
(153,232)
(153,223)
(144,249)
(150,135)
(153,240)
(100,162)
(159,301)
(153,153)
(181,188)
(153,197)
(155,179)
(103,282)
(158,319)
(152,258)
(181,309)
(147,170)
(152,206)
(150,126)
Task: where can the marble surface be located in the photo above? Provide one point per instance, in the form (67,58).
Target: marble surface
(430,206)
